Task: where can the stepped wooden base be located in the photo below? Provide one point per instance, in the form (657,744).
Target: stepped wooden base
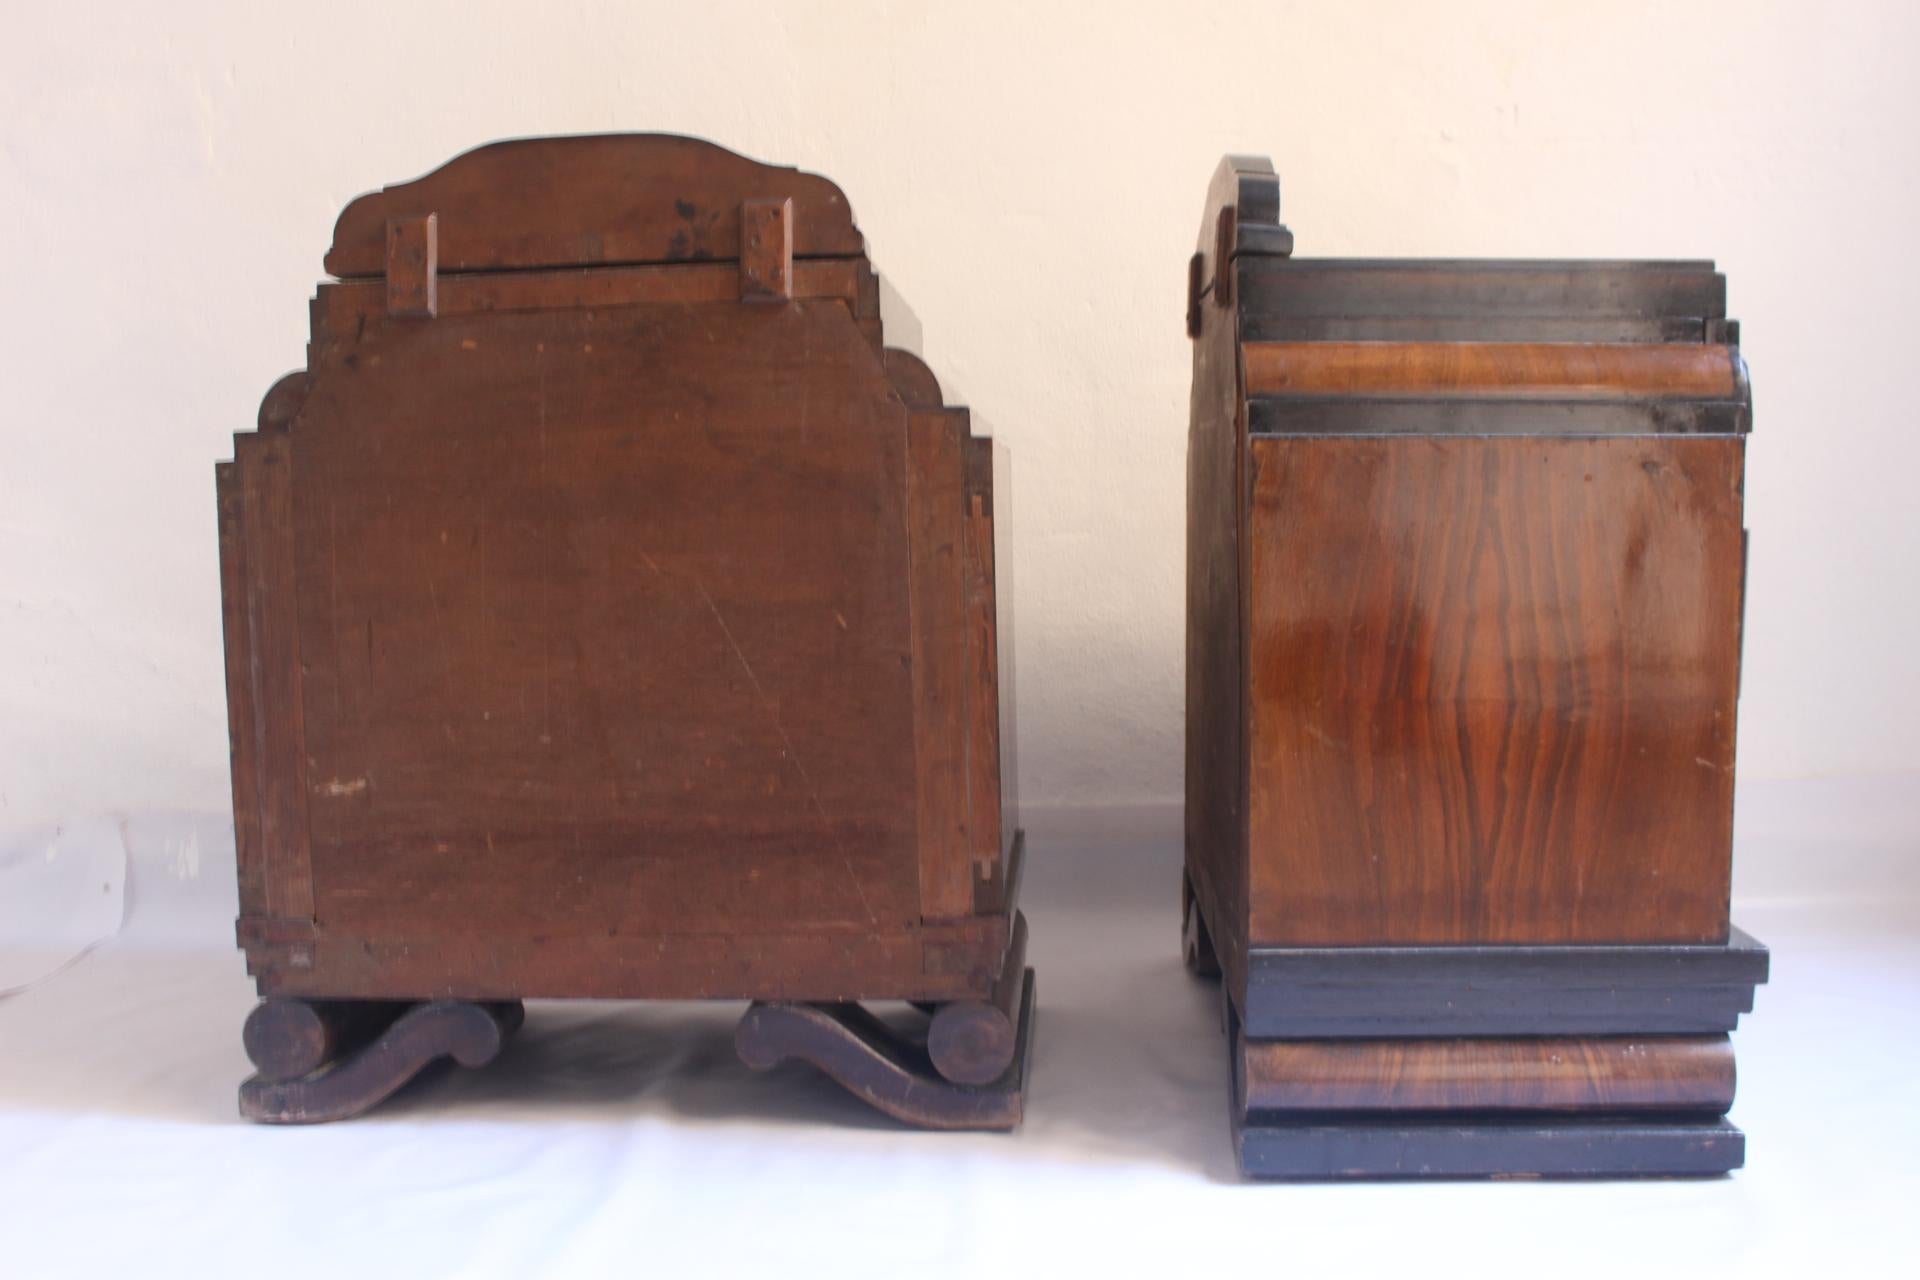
(1530,1106)
(1484,1061)
(1543,1106)
(331,1060)
(895,1073)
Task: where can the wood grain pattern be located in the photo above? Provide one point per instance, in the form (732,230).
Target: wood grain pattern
(1492,689)
(647,708)
(1601,370)
(572,628)
(1464,580)
(278,763)
(1544,1073)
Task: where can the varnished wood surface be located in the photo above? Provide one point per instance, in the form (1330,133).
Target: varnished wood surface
(593,200)
(1492,689)
(1567,369)
(1626,1073)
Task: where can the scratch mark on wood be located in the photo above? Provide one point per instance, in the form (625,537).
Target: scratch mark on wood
(773,718)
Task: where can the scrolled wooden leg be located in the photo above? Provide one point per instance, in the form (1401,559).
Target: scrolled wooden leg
(287,1039)
(883,1069)
(973,1041)
(330,1060)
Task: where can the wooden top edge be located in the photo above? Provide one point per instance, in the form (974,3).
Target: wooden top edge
(1248,185)
(615,199)
(1740,947)
(1702,266)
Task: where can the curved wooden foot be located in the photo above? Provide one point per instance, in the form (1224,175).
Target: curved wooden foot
(330,1060)
(973,1041)
(884,1069)
(1196,944)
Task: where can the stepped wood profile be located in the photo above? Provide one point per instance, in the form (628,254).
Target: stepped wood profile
(610,613)
(1465,576)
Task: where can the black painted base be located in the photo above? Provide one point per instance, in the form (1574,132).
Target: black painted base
(1390,993)
(1326,1147)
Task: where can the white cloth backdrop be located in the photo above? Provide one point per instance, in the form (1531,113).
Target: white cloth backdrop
(628,1139)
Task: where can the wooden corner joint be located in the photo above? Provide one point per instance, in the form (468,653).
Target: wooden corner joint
(413,267)
(766,250)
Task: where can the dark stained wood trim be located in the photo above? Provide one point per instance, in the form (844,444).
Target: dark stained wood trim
(1478,328)
(1559,1147)
(1480,416)
(1274,287)
(1307,992)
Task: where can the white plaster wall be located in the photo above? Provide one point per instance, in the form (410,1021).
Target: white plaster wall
(1030,178)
